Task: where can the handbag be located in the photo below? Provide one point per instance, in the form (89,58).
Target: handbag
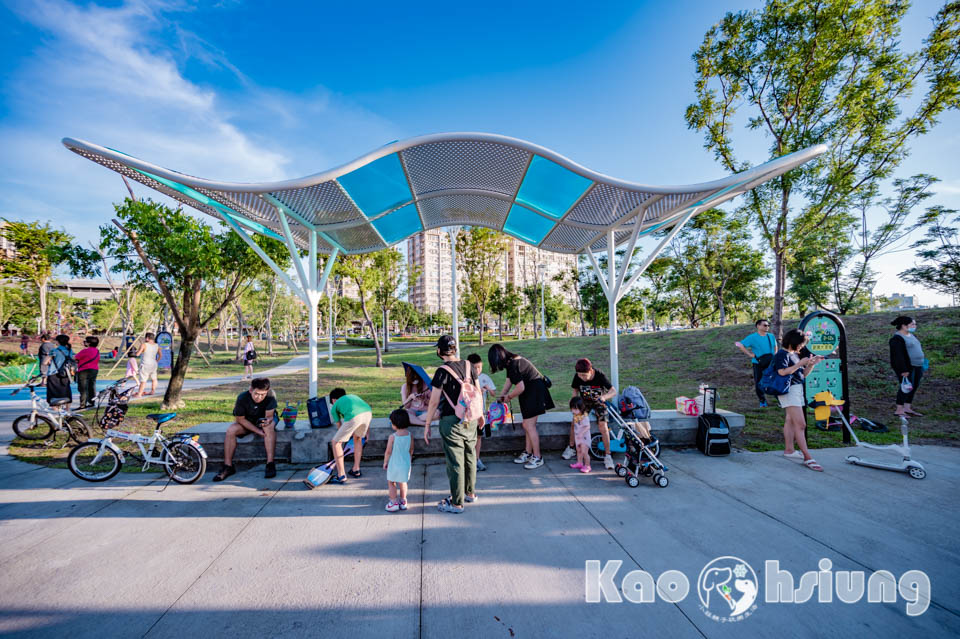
(764,360)
(773,383)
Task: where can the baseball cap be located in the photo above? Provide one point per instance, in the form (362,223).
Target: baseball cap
(446,344)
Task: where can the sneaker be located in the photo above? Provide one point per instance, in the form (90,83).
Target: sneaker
(608,462)
(271,471)
(523,459)
(392,507)
(446,507)
(585,469)
(533,462)
(569,453)
(225,471)
(763,403)
(480,465)
(576,465)
(403,504)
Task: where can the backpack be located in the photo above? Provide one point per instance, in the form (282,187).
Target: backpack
(713,435)
(318,412)
(773,383)
(251,355)
(633,405)
(469,405)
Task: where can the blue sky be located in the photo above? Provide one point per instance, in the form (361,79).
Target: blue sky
(260,91)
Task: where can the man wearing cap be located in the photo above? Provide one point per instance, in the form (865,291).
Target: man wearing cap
(459,438)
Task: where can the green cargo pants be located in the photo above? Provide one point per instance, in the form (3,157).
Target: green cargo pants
(459,447)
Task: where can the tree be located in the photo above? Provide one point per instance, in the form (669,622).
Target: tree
(940,248)
(569,281)
(167,250)
(39,249)
(16,306)
(365,274)
(389,283)
(820,71)
(479,253)
(658,294)
(504,303)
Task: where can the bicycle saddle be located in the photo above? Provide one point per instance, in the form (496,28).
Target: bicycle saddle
(59,401)
(161,417)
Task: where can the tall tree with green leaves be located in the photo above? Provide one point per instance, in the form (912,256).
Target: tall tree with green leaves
(366,275)
(480,254)
(504,303)
(806,72)
(939,249)
(174,253)
(39,249)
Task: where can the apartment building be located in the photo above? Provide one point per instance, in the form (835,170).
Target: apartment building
(430,252)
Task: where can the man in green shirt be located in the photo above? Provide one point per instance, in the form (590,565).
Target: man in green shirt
(352,416)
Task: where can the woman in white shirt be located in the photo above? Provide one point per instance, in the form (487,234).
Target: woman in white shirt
(149,355)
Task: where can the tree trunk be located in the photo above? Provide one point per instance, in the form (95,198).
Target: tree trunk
(171,398)
(373,330)
(241,326)
(42,292)
(269,322)
(483,317)
(780,279)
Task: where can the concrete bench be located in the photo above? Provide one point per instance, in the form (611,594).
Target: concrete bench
(305,445)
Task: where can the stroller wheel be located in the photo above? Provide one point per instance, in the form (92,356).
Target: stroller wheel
(661,481)
(596,450)
(622,470)
(633,481)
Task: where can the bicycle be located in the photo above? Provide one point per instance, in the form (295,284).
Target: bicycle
(182,457)
(45,419)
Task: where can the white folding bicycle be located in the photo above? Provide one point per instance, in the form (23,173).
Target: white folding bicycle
(45,420)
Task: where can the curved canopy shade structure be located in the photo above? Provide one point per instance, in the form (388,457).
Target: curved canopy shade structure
(448,180)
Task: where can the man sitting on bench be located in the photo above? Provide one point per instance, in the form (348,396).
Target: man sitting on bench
(254,412)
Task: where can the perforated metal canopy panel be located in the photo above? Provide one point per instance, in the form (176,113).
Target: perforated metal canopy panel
(446,179)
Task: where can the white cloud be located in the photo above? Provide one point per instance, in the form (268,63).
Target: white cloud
(114,76)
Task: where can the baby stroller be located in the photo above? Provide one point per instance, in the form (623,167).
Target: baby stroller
(642,450)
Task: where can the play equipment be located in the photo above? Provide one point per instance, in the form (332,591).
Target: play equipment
(827,337)
(824,404)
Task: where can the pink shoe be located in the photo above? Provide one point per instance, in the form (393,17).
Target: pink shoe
(577,465)
(585,469)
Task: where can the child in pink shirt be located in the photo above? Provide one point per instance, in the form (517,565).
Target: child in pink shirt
(88,367)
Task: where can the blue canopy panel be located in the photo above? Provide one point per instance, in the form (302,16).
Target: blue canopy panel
(378,186)
(447,179)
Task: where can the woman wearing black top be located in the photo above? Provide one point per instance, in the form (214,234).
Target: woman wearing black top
(907,362)
(531,387)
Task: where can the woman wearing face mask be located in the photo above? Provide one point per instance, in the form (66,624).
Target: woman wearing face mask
(906,358)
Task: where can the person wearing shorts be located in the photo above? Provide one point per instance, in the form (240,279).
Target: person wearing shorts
(594,388)
(255,411)
(788,363)
(353,416)
(149,354)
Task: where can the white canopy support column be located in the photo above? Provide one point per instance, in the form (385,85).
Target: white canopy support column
(613,284)
(315,293)
(455,315)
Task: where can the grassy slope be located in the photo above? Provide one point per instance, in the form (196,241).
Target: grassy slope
(663,365)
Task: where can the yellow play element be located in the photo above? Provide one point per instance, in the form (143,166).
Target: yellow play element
(822,402)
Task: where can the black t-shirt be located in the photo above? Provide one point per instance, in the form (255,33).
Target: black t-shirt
(786,359)
(592,389)
(450,385)
(252,411)
(520,369)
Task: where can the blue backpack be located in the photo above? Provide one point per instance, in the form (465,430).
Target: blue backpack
(633,405)
(773,383)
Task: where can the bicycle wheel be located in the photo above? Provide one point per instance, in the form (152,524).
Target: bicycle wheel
(93,462)
(184,463)
(78,429)
(33,427)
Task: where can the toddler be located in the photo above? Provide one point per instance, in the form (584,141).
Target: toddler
(133,366)
(396,460)
(581,434)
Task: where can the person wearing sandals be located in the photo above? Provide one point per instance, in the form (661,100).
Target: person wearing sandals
(353,416)
(397,460)
(459,438)
(787,362)
(255,411)
(534,392)
(907,361)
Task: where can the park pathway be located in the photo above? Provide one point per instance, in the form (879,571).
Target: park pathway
(255,557)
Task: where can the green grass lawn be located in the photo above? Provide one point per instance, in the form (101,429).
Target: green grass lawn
(663,365)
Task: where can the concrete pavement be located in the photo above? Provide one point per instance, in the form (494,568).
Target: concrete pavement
(256,557)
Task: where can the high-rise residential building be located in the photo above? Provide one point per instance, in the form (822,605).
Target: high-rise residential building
(430,252)
(7,248)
